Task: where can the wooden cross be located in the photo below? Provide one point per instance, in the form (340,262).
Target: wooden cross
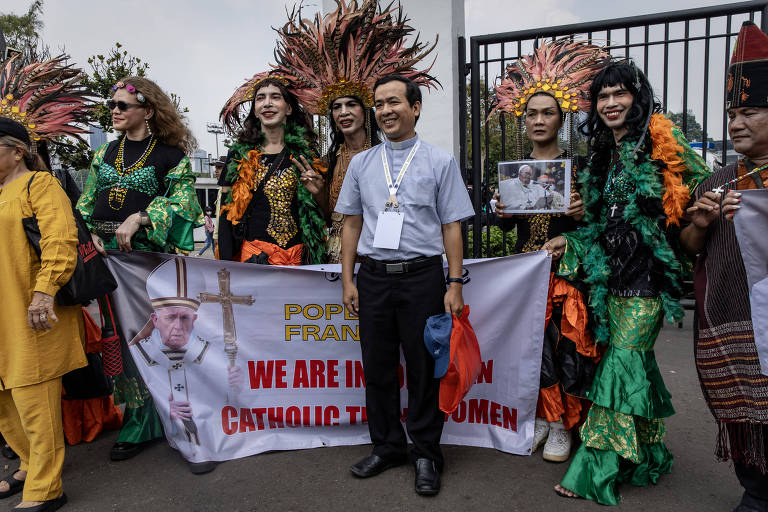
(226,299)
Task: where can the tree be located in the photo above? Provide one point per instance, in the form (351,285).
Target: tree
(693,130)
(105,71)
(22,32)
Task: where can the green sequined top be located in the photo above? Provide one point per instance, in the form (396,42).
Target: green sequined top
(164,187)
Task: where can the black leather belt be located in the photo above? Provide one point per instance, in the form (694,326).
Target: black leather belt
(400,267)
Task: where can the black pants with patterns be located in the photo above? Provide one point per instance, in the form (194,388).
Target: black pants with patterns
(393,311)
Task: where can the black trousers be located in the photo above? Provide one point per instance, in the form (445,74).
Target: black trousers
(754,481)
(393,311)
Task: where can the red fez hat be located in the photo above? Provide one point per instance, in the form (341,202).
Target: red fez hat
(747,84)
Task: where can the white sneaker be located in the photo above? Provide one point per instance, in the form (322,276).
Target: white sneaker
(540,433)
(558,446)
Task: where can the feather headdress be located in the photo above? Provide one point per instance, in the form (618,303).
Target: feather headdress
(344,52)
(232,113)
(562,68)
(48,97)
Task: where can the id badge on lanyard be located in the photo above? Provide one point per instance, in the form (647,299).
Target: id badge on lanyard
(389,224)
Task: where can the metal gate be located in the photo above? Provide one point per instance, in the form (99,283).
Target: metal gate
(685,55)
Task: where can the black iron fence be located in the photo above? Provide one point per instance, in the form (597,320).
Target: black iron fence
(685,55)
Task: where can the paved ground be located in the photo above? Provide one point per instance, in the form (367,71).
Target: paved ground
(475,479)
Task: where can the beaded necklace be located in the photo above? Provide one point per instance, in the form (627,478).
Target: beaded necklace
(118,192)
(726,186)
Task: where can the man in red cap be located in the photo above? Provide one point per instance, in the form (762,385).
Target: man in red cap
(726,354)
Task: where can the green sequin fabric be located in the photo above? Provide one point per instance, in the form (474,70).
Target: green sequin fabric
(142,180)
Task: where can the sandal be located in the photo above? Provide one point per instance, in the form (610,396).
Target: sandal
(565,495)
(14,486)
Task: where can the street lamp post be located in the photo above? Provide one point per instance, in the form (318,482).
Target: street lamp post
(215,129)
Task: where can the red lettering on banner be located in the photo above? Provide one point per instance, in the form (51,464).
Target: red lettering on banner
(275,416)
(354,374)
(331,416)
(483,411)
(478,411)
(246,421)
(228,425)
(352,410)
(293,416)
(259,412)
(262,374)
(486,372)
(317,373)
(460,414)
(495,413)
(333,373)
(403,415)
(300,377)
(509,418)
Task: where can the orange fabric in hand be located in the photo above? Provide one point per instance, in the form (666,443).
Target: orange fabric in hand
(465,364)
(277,255)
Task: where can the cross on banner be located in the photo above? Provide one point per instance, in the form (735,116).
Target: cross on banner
(226,299)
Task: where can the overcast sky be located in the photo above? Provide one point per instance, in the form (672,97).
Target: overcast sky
(203,50)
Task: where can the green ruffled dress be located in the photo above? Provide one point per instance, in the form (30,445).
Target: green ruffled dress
(630,257)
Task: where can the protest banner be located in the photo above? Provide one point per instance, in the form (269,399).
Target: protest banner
(241,358)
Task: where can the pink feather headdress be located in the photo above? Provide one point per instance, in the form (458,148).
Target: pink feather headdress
(562,68)
(344,52)
(46,97)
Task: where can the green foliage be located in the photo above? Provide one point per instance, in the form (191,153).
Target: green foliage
(497,240)
(72,153)
(105,71)
(22,32)
(694,131)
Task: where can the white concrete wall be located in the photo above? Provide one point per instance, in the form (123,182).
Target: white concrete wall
(439,121)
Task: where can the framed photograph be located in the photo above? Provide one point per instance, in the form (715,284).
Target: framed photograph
(535,186)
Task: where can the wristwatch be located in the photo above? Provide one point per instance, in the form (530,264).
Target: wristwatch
(144,216)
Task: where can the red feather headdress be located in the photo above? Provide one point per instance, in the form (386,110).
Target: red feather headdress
(562,68)
(344,52)
(46,97)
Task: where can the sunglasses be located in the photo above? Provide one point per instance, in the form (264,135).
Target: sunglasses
(123,106)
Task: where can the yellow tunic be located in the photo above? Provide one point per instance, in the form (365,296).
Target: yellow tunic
(28,356)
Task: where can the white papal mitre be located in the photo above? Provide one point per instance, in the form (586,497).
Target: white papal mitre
(174,283)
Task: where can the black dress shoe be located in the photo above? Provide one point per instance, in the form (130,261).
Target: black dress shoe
(427,478)
(124,451)
(46,506)
(372,465)
(201,468)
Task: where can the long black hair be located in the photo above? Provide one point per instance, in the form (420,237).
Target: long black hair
(624,73)
(252,133)
(337,137)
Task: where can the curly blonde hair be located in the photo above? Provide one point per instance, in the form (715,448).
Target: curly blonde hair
(166,123)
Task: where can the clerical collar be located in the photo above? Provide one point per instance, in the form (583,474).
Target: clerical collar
(403,144)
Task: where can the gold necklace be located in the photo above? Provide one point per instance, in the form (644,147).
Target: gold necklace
(118,192)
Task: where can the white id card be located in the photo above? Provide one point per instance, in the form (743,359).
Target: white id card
(388,228)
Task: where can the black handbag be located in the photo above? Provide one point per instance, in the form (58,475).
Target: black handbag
(87,382)
(91,278)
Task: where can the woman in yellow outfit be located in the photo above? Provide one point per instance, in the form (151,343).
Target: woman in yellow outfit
(39,340)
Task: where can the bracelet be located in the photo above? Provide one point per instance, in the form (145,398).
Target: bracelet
(450,280)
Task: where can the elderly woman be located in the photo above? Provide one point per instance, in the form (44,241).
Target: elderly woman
(39,340)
